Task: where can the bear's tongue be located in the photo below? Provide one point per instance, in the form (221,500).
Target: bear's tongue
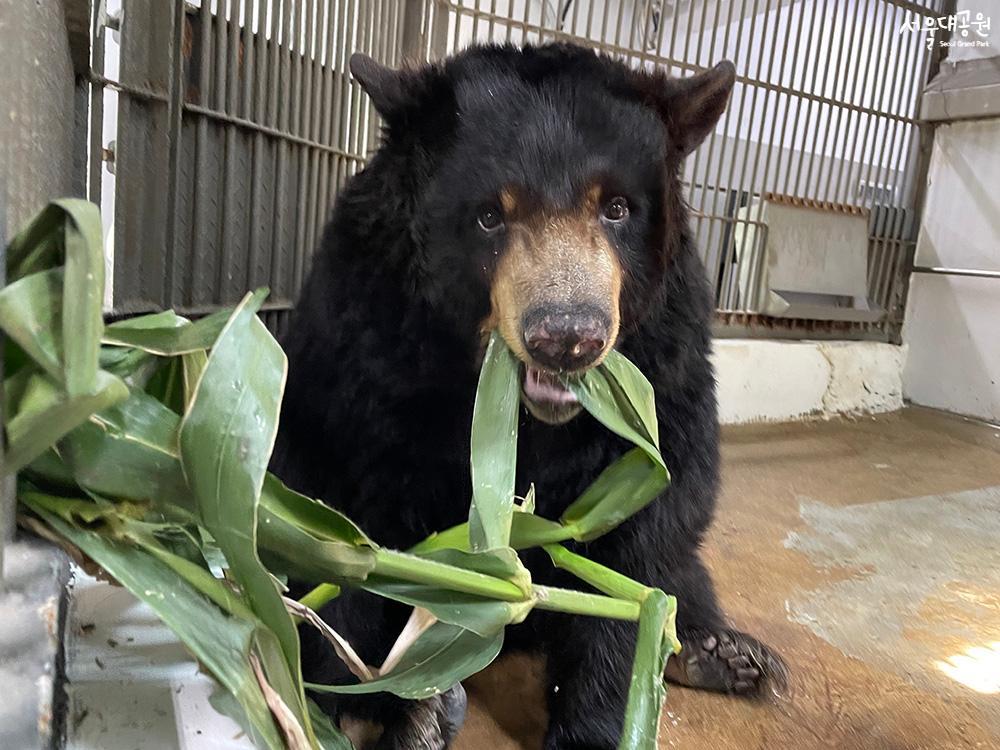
(544,387)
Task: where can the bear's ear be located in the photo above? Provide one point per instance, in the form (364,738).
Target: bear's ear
(691,106)
(384,85)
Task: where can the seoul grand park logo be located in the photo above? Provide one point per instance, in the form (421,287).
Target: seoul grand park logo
(966,30)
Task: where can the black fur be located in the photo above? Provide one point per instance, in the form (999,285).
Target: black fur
(385,347)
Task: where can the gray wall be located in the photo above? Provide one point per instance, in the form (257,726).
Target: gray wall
(40,156)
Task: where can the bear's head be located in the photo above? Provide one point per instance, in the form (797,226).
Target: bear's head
(543,195)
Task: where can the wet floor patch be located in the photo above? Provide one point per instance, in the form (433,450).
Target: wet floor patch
(915,588)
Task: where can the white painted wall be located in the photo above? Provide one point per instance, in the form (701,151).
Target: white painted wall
(778,381)
(953,323)
(967,50)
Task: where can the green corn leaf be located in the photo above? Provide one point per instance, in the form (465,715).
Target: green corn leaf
(621,490)
(194,365)
(494,448)
(288,549)
(130,451)
(125,363)
(621,398)
(167,334)
(37,247)
(647,689)
(46,414)
(618,396)
(319,519)
(526,530)
(442,656)
(83,295)
(166,384)
(220,642)
(226,438)
(31,315)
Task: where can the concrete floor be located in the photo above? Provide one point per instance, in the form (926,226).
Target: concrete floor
(868,552)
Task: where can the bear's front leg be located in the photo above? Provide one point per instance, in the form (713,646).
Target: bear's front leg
(589,663)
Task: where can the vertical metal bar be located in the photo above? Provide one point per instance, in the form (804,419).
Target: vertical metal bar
(282,118)
(616,39)
(777,136)
(175,112)
(824,131)
(693,162)
(316,102)
(844,106)
(97,32)
(262,38)
(297,40)
(880,97)
(249,59)
(326,124)
(872,122)
(589,28)
(756,249)
(196,253)
(708,148)
(856,100)
(726,252)
(604,23)
(254,48)
(800,89)
(881,250)
(228,98)
(576,17)
(907,94)
(820,61)
(743,184)
(673,42)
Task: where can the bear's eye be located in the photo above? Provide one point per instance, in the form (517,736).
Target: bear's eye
(490,219)
(616,209)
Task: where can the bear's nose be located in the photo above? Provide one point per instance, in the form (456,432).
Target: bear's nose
(565,338)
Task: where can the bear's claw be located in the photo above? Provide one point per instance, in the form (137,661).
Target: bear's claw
(730,662)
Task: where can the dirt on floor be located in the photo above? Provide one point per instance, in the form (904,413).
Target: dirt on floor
(868,552)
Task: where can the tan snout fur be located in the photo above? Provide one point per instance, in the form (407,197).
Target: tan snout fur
(564,258)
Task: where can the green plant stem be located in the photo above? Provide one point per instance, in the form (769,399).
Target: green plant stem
(405,567)
(647,688)
(600,577)
(322,594)
(579,603)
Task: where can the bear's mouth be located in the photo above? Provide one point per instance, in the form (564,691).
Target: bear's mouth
(546,397)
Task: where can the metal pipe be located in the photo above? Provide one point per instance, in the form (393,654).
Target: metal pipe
(973,272)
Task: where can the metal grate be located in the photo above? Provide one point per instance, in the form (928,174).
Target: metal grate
(238,124)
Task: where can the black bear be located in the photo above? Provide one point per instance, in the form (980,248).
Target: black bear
(536,191)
